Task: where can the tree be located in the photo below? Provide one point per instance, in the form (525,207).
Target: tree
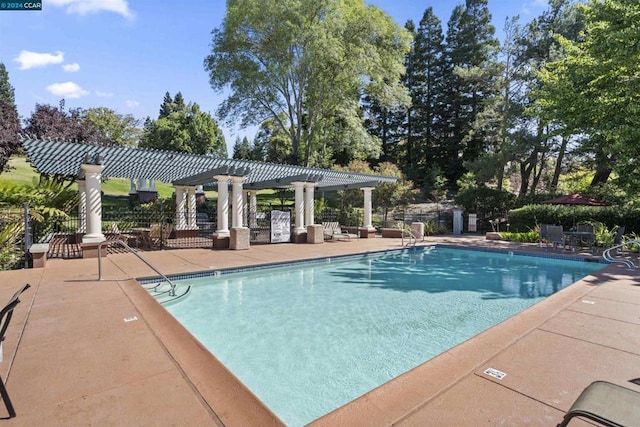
(426,133)
(171,105)
(470,53)
(184,129)
(113,128)
(9,121)
(48,122)
(594,90)
(242,149)
(548,139)
(271,143)
(305,64)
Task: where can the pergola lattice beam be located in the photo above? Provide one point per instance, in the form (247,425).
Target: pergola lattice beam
(284,182)
(208,176)
(349,186)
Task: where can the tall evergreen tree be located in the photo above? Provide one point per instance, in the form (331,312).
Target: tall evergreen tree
(9,120)
(471,49)
(427,87)
(169,105)
(242,149)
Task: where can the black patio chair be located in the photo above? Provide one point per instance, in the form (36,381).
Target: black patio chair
(5,317)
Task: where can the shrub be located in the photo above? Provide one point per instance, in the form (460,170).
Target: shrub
(528,217)
(526,237)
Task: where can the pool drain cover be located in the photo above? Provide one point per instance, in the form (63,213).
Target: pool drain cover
(495,373)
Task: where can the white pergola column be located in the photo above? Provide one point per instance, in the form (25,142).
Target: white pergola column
(253,206)
(132,187)
(82,206)
(237,204)
(299,200)
(223,205)
(308,203)
(191,204)
(152,185)
(93,182)
(245,206)
(142,184)
(181,219)
(366,220)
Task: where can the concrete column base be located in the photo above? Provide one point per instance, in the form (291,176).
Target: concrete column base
(39,254)
(367,233)
(90,249)
(239,238)
(220,242)
(315,234)
(299,237)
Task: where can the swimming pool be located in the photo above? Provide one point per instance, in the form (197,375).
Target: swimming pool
(311,337)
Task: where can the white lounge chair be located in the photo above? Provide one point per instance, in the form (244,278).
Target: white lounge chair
(332,230)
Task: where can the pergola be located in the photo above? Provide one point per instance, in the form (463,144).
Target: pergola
(90,164)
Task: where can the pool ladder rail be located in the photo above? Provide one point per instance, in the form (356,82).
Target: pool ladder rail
(163,295)
(412,239)
(608,255)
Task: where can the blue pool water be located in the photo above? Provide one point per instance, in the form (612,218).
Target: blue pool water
(308,338)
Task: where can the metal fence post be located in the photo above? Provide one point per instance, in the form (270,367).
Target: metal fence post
(27,235)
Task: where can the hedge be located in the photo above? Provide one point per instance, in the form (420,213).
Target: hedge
(527,217)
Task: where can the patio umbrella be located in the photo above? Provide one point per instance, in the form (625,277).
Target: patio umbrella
(574,200)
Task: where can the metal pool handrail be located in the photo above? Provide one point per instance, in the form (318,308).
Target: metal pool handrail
(172,291)
(608,257)
(411,236)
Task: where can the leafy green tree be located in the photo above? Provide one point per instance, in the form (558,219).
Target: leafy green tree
(306,64)
(547,140)
(184,129)
(9,120)
(594,90)
(113,128)
(271,144)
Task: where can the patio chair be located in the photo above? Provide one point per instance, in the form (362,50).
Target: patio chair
(555,236)
(117,234)
(606,403)
(5,317)
(543,234)
(158,233)
(586,239)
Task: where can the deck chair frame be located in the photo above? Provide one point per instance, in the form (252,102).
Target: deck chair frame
(606,403)
(5,318)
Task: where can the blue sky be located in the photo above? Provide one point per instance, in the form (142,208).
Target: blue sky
(126,55)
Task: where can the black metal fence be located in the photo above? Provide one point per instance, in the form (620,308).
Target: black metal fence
(152,227)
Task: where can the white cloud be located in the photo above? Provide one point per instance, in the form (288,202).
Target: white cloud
(71,68)
(83,7)
(28,59)
(104,94)
(67,90)
(131,104)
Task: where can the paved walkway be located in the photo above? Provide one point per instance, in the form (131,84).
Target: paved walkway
(86,352)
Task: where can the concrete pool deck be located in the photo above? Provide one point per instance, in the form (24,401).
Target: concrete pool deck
(86,352)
